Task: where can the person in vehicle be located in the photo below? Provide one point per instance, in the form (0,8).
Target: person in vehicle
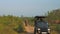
(40,23)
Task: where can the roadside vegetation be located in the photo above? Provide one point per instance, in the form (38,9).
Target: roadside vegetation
(11,25)
(54,20)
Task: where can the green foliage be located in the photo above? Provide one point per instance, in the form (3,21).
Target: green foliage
(8,23)
(58,27)
(31,21)
(19,28)
(54,14)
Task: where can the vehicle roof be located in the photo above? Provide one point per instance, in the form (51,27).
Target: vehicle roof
(40,16)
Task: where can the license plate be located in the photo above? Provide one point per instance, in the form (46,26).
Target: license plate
(44,32)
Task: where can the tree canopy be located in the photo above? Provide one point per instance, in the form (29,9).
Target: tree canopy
(54,14)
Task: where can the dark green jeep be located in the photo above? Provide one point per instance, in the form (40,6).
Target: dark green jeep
(41,26)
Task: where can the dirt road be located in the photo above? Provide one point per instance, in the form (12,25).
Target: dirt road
(29,29)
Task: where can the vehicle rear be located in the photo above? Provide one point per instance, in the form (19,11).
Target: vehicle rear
(42,27)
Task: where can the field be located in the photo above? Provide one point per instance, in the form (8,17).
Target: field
(16,25)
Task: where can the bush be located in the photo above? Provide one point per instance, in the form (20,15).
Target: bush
(19,28)
(8,24)
(57,27)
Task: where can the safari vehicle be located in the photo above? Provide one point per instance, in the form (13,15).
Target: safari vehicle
(42,26)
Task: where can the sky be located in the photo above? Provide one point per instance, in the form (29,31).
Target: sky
(27,7)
